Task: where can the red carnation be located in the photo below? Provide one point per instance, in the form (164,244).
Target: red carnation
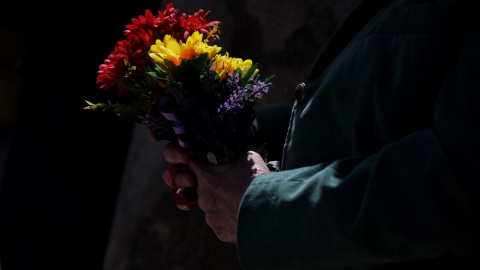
(141,35)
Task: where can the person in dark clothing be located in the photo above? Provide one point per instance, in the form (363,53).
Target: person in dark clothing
(64,166)
(379,166)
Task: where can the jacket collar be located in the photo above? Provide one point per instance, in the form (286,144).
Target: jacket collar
(345,33)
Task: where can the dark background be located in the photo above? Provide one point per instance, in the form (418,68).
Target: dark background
(62,165)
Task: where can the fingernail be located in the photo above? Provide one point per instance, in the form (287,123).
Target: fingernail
(183,207)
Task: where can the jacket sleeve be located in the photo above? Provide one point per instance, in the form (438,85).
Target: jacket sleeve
(415,199)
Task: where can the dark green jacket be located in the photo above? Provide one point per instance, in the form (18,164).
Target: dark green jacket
(380,164)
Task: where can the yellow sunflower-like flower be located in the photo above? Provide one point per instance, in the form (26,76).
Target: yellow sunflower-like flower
(172,50)
(224,64)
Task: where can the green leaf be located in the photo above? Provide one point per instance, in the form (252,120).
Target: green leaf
(160,67)
(246,77)
(238,70)
(188,73)
(199,62)
(155,75)
(170,65)
(249,84)
(269,79)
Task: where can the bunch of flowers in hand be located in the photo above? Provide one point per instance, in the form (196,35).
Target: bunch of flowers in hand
(170,77)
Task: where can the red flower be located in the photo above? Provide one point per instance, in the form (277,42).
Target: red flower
(197,22)
(115,69)
(145,26)
(141,34)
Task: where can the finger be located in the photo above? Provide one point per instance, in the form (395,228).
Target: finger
(182,195)
(201,168)
(152,136)
(182,179)
(174,154)
(184,207)
(165,177)
(190,194)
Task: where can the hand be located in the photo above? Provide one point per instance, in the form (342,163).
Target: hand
(220,188)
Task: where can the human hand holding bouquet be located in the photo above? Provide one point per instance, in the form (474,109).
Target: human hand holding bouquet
(171,78)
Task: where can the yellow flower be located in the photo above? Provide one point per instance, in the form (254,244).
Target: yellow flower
(172,50)
(224,64)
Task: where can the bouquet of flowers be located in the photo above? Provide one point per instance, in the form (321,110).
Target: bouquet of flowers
(170,77)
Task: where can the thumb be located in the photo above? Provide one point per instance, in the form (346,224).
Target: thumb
(199,167)
(175,155)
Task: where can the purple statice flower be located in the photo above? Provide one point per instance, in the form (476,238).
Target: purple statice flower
(158,125)
(214,116)
(241,96)
(237,112)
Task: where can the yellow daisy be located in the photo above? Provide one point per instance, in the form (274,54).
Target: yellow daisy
(172,50)
(224,64)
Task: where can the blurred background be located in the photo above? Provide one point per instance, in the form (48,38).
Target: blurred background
(83,190)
